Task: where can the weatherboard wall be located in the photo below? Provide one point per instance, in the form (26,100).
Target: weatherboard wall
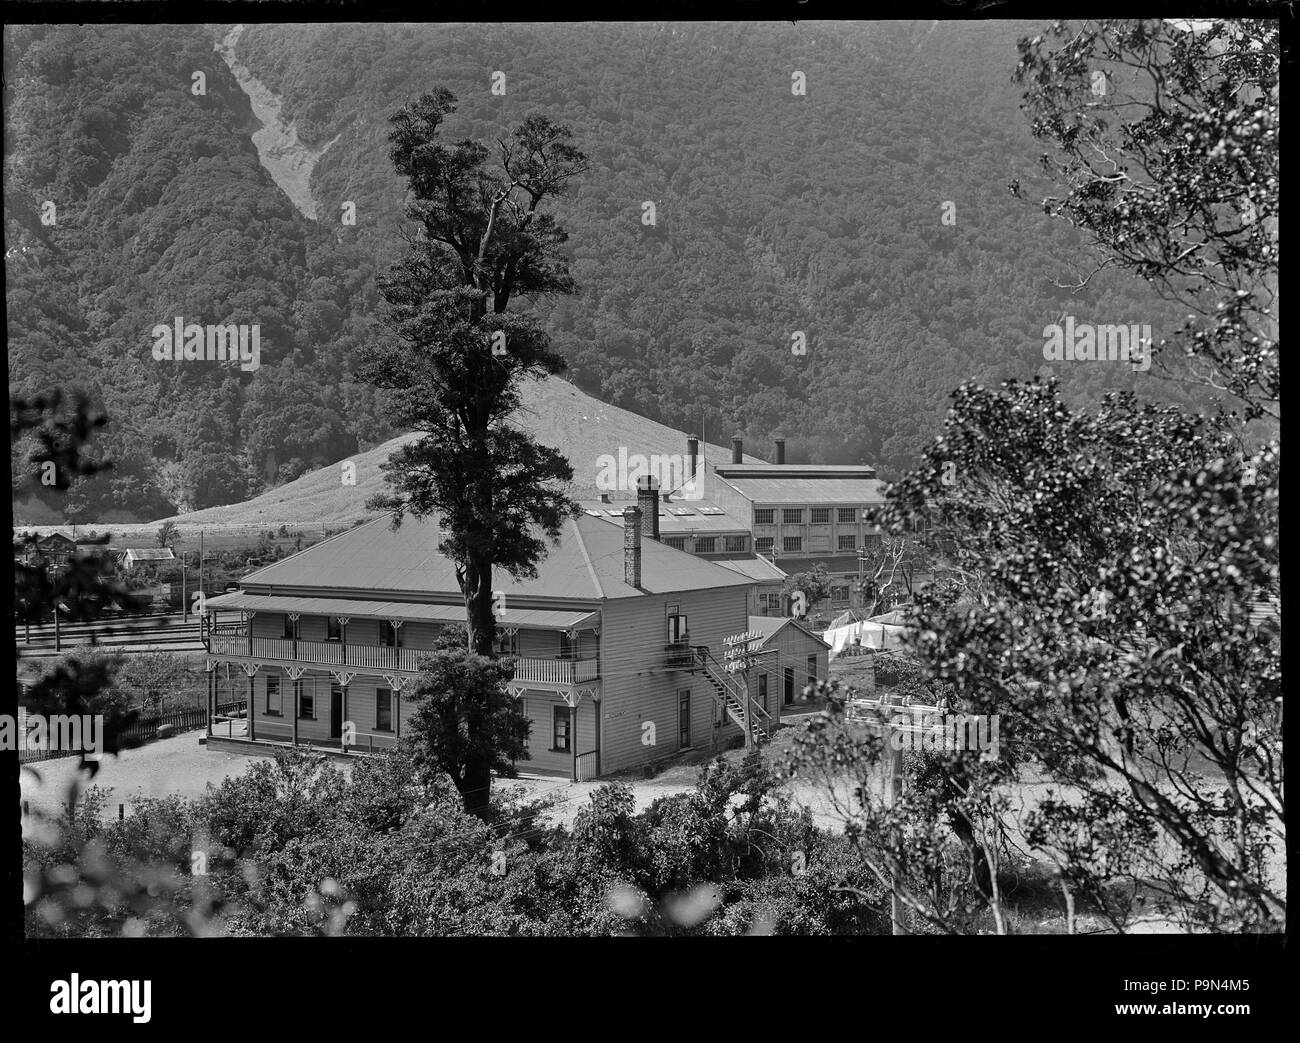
(636,686)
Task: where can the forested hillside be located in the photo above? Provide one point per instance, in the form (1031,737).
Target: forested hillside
(774,213)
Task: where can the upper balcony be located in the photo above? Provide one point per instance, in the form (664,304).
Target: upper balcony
(234,641)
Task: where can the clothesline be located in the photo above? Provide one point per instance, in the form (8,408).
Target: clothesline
(867,634)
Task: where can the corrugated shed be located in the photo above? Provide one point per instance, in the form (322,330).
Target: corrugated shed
(149,554)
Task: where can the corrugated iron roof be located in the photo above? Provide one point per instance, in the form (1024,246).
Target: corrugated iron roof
(830,492)
(755,568)
(587,564)
(543,619)
(803,561)
(769,626)
(150,553)
(795,470)
(671,522)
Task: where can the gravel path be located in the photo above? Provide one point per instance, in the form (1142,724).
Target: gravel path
(180,766)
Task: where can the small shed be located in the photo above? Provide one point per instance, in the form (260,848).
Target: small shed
(150,555)
(56,548)
(797,658)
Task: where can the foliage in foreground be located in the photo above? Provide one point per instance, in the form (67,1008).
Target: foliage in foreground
(294,847)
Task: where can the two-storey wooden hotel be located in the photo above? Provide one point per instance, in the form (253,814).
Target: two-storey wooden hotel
(618,643)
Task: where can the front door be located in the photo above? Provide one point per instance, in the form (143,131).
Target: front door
(336,712)
(684,718)
(787,697)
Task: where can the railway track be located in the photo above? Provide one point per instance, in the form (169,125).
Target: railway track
(139,634)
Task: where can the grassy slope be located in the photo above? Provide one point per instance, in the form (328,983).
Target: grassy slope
(554,411)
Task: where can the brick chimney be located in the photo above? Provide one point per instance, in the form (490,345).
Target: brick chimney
(692,455)
(632,546)
(737,450)
(647,499)
(779,444)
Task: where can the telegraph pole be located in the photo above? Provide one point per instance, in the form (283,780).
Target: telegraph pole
(893,789)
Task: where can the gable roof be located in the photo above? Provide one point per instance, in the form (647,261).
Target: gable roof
(587,564)
(770,626)
(150,554)
(757,568)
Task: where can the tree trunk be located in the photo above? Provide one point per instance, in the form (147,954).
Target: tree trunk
(478,606)
(966,834)
(475,784)
(476,787)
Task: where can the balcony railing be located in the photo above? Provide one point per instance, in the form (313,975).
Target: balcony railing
(679,655)
(559,671)
(383,657)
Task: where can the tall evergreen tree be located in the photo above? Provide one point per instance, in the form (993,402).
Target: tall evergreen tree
(455,356)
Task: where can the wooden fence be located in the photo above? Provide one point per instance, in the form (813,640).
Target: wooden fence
(141,731)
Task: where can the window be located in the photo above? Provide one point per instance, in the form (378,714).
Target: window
(763,544)
(764,515)
(387,633)
(507,642)
(792,516)
(734,543)
(677,630)
(676,542)
(560,729)
(566,645)
(771,604)
(812,669)
(840,595)
(290,630)
(762,692)
(847,515)
(306,701)
(792,543)
(383,709)
(821,515)
(333,629)
(273,707)
(871,541)
(848,542)
(705,544)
